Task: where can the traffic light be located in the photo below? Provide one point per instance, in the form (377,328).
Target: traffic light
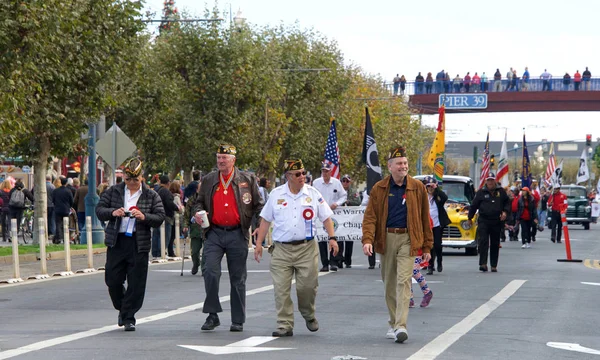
(492,161)
(588,140)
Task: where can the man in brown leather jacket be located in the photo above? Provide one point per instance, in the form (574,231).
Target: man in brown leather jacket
(396,225)
(231,199)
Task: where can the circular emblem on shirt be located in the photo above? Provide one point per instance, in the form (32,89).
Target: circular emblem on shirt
(246,198)
(308,214)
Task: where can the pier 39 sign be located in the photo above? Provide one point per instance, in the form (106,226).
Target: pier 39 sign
(464,101)
(347,222)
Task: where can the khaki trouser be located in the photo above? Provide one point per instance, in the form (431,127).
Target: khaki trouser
(303,261)
(396,272)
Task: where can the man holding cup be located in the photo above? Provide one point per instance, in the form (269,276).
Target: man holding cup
(229,198)
(132,210)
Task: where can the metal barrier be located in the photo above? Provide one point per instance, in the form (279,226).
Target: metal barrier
(90,249)
(162,258)
(67,254)
(15,255)
(177,256)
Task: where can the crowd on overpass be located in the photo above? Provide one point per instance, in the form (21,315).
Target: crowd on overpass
(511,81)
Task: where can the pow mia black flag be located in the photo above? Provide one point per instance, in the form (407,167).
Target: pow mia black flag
(370,156)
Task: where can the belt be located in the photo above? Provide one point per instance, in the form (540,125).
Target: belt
(226,228)
(295,242)
(397,230)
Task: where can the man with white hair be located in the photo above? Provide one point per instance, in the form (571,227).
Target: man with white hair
(231,199)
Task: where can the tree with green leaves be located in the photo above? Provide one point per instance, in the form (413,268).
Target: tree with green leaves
(59,63)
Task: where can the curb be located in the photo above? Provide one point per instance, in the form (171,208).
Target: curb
(56,255)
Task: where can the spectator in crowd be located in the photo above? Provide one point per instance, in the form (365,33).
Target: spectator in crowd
(509,76)
(79,204)
(396,84)
(484,82)
(497,81)
(5,188)
(446,82)
(525,80)
(169,207)
(17,200)
(70,186)
(476,83)
(428,83)
(587,77)
(62,198)
(50,225)
(439,81)
(566,81)
(514,81)
(402,84)
(546,77)
(577,80)
(457,83)
(467,82)
(175,189)
(419,83)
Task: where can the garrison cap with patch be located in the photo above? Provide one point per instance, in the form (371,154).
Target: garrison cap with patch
(227,149)
(397,152)
(293,164)
(133,167)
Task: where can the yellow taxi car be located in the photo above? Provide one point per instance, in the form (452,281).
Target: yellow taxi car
(459,234)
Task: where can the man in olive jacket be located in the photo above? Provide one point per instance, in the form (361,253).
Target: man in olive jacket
(132,210)
(231,199)
(396,225)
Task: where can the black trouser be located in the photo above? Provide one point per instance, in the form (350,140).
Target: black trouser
(526,231)
(17,214)
(372,259)
(514,233)
(489,237)
(502,231)
(5,222)
(533,228)
(50,224)
(326,258)
(124,262)
(345,252)
(233,243)
(59,234)
(171,242)
(556,225)
(437,247)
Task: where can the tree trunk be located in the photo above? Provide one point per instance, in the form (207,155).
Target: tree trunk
(40,164)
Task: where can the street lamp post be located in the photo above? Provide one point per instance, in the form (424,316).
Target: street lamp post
(515,147)
(589,167)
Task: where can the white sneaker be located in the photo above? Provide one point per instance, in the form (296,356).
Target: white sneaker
(390,334)
(401,335)
(528,245)
(524,246)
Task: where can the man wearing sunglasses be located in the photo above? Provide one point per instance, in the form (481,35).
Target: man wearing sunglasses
(334,194)
(132,210)
(293,209)
(231,199)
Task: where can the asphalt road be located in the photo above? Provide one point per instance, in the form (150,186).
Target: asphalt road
(531,303)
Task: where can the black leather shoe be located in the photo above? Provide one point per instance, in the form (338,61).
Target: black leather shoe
(312,325)
(483,268)
(236,327)
(129,326)
(194,269)
(333,268)
(325,269)
(212,321)
(348,266)
(371,267)
(120,320)
(429,271)
(440,268)
(282,333)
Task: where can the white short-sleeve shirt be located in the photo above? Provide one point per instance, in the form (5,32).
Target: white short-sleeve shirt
(333,192)
(287,212)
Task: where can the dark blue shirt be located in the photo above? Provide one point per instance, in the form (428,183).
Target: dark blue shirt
(397,212)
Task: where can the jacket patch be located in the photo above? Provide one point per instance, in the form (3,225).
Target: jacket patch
(246,198)
(244,185)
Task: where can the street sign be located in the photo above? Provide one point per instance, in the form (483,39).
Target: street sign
(464,101)
(26,169)
(123,146)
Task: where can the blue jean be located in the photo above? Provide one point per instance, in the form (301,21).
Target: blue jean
(542,217)
(156,239)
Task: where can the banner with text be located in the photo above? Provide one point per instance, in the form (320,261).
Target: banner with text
(347,222)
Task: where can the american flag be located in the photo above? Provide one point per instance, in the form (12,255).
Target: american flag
(551,165)
(332,151)
(485,162)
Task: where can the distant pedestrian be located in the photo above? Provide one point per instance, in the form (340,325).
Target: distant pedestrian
(556,202)
(62,198)
(467,82)
(419,83)
(527,216)
(457,83)
(566,81)
(587,79)
(484,82)
(447,82)
(396,84)
(402,84)
(509,76)
(497,81)
(525,80)
(546,77)
(428,83)
(476,83)
(577,80)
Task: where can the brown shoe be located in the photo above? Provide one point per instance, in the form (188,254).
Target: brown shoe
(494,269)
(312,325)
(282,332)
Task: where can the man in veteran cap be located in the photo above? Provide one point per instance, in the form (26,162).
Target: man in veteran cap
(293,209)
(396,225)
(132,210)
(231,199)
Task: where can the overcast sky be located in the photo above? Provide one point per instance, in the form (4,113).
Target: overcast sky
(389,37)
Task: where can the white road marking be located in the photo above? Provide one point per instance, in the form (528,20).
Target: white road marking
(438,345)
(225,271)
(573,347)
(244,346)
(415,281)
(590,283)
(88,333)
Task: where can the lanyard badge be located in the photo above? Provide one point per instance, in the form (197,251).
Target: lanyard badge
(130,223)
(308,215)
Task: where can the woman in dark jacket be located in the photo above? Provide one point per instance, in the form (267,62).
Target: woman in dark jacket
(526,216)
(16,212)
(440,219)
(5,188)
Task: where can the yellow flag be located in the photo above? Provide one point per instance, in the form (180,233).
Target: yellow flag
(436,154)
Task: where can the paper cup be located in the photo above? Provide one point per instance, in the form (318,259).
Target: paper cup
(204,217)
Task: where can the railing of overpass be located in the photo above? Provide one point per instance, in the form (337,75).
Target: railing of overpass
(439,87)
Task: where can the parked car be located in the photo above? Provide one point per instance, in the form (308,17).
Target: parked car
(459,234)
(579,209)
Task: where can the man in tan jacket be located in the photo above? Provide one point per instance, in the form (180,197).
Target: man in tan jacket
(396,225)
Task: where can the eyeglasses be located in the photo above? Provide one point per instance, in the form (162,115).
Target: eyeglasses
(298,174)
(345,180)
(132,179)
